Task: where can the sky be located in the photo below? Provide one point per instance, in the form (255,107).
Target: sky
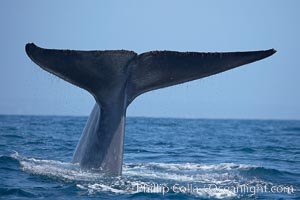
(268,89)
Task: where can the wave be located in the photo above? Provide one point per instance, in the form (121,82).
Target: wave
(16,191)
(292,130)
(8,159)
(149,174)
(8,163)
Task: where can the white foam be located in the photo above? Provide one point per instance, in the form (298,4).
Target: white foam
(57,169)
(142,173)
(216,193)
(217,178)
(186,172)
(193,166)
(94,188)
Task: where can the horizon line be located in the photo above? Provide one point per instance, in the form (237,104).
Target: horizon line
(158,117)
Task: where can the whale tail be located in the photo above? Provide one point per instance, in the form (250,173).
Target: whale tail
(99,72)
(116,78)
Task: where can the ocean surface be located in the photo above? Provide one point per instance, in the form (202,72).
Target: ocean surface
(164,159)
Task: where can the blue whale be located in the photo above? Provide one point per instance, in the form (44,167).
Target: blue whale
(115,78)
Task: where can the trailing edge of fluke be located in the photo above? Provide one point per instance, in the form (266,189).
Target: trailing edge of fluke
(115,78)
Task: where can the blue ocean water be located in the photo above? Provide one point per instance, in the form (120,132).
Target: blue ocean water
(164,158)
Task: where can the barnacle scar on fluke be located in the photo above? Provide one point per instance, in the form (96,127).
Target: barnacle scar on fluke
(116,78)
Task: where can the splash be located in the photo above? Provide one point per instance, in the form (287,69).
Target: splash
(148,175)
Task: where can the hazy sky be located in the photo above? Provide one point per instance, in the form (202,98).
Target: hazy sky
(268,89)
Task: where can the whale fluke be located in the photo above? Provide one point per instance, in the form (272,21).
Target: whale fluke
(115,78)
(158,69)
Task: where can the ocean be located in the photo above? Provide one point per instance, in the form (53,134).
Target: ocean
(164,158)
